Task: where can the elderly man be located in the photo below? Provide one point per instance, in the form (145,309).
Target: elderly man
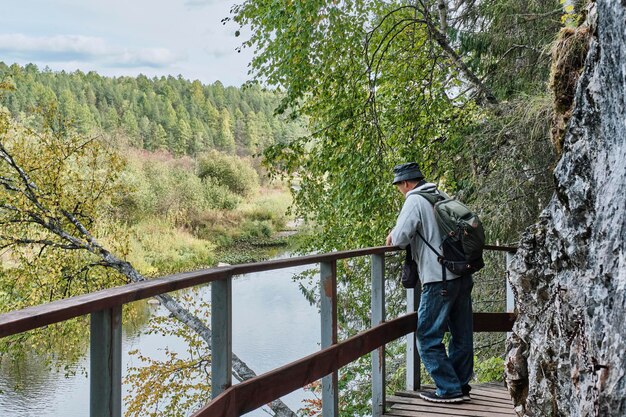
(445,305)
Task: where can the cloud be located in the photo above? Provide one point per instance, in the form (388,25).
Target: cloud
(150,57)
(219,50)
(63,48)
(198,3)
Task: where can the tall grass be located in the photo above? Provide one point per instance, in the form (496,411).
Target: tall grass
(181,212)
(158,247)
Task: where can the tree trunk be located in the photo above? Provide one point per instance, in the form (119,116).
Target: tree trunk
(567,353)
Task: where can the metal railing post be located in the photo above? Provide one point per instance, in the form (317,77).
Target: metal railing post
(378,316)
(221,336)
(413,362)
(328,295)
(105,376)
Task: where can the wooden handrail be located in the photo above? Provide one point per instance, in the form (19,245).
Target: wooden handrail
(511,249)
(42,315)
(255,392)
(494,322)
(56,311)
(258,391)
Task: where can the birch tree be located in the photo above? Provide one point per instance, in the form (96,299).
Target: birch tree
(58,196)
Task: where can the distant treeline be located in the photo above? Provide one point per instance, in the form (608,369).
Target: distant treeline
(167,113)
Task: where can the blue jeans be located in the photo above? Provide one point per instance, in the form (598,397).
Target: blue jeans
(438,314)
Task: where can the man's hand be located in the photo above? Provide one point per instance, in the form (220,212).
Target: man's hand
(388,241)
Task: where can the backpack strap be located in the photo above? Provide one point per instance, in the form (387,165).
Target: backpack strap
(433,198)
(439,256)
(444,290)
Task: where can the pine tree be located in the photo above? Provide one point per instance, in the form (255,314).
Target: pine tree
(225,139)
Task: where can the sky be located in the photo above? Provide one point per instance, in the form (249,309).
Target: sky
(125,37)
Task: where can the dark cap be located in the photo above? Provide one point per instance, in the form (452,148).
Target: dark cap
(407,172)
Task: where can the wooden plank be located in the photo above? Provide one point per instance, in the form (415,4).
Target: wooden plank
(495,396)
(484,397)
(500,394)
(328,315)
(377,274)
(105,363)
(474,402)
(476,390)
(432,413)
(221,336)
(429,413)
(488,400)
(495,386)
(255,392)
(460,410)
(479,397)
(494,322)
(470,405)
(436,413)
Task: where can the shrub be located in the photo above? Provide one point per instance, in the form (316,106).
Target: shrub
(219,196)
(169,188)
(230,171)
(158,248)
(489,370)
(271,206)
(220,226)
(256,229)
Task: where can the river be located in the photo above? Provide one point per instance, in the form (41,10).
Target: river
(273,325)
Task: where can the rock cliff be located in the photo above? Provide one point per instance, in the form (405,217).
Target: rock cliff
(567,353)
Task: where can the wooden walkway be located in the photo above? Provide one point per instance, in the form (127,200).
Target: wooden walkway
(488,400)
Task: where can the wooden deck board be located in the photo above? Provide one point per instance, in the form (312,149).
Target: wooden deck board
(471,404)
(488,400)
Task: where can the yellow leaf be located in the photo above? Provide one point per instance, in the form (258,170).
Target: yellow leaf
(569,9)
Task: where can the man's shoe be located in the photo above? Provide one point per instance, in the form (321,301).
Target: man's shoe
(432,396)
(466,393)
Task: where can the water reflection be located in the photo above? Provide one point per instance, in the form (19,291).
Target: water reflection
(272,325)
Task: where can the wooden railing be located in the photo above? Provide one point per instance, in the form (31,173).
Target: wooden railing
(233,400)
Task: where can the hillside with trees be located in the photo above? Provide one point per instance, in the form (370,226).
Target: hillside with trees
(167,113)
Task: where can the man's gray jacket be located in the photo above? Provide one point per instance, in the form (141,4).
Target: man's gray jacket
(417,214)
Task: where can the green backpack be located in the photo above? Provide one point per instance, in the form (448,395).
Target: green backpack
(463,236)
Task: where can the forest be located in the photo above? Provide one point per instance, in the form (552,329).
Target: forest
(166,113)
(479,93)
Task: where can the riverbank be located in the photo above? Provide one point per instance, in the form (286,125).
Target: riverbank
(253,250)
(254,230)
